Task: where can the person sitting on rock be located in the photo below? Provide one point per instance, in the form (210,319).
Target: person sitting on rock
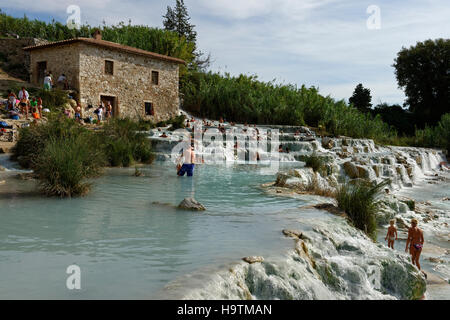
(39,102)
(35,109)
(391,235)
(78,114)
(11,101)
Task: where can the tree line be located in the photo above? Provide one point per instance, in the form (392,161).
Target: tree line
(422,71)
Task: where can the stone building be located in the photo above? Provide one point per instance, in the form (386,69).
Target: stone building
(135,81)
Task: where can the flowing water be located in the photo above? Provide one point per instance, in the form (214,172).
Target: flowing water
(131,242)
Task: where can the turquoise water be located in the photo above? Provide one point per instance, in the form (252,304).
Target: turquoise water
(127,236)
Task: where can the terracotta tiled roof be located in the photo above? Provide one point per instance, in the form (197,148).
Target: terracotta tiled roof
(110,45)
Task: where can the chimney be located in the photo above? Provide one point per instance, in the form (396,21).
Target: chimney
(97,35)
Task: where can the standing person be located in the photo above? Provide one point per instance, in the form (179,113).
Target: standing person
(62,80)
(108,113)
(50,74)
(99,112)
(23,97)
(415,241)
(23,93)
(391,234)
(48,82)
(188,164)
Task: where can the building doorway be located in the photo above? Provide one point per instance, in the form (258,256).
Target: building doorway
(41,69)
(114,104)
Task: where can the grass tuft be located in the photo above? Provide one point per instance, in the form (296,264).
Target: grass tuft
(359,200)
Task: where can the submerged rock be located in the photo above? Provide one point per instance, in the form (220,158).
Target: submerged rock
(191,204)
(253,259)
(2,168)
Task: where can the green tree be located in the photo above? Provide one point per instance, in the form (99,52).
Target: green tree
(361,98)
(423,71)
(396,116)
(177,19)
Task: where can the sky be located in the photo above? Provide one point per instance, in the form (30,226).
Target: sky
(330,44)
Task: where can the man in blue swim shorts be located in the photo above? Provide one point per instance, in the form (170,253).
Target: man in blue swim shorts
(188,165)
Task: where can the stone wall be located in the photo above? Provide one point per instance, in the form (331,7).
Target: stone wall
(60,59)
(130,83)
(14,56)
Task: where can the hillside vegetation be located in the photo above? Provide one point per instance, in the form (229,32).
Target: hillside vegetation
(240,98)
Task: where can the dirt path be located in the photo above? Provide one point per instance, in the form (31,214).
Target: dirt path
(7,81)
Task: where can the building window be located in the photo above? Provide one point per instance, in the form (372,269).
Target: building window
(149,109)
(109,67)
(155,77)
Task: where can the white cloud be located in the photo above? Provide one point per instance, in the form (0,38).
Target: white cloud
(317,42)
(56,7)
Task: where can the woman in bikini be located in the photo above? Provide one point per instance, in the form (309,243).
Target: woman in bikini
(415,242)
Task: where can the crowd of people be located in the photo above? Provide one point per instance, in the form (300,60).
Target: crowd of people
(22,105)
(103,111)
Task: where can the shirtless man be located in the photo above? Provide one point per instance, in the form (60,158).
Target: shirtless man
(415,240)
(108,113)
(189,160)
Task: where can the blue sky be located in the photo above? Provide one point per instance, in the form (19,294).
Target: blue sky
(322,43)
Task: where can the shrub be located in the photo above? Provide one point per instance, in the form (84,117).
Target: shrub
(64,155)
(53,99)
(65,163)
(317,163)
(32,140)
(177,122)
(145,125)
(315,188)
(123,144)
(359,201)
